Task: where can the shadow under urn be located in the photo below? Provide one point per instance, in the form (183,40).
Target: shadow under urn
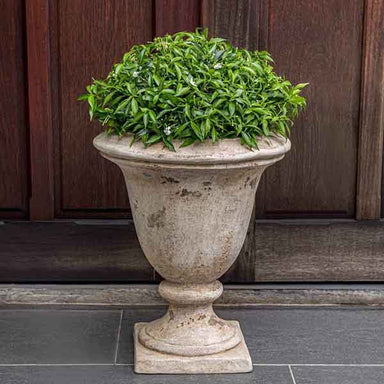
(191,210)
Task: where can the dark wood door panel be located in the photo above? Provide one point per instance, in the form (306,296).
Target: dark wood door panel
(174,16)
(13,162)
(317,42)
(319,251)
(371,133)
(90,36)
(70,252)
(242,22)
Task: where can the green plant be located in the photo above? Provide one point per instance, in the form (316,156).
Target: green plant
(190,87)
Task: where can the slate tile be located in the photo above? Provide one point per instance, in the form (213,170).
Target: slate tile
(125,374)
(312,335)
(130,317)
(58,336)
(292,335)
(338,375)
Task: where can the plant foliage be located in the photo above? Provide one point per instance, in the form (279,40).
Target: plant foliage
(193,88)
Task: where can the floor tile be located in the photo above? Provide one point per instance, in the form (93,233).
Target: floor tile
(130,317)
(124,375)
(58,336)
(338,375)
(292,336)
(312,336)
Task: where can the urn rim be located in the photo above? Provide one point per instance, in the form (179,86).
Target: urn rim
(225,151)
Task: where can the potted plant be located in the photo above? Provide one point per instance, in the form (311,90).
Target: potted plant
(192,122)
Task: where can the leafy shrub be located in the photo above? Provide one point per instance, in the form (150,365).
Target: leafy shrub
(190,87)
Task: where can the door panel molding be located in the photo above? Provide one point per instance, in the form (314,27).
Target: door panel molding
(41,206)
(371,133)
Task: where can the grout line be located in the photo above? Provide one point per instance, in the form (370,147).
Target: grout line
(269,365)
(118,336)
(336,365)
(65,365)
(292,377)
(318,365)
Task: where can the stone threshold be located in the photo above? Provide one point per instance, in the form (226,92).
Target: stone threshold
(234,295)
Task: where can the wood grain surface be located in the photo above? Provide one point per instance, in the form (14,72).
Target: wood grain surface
(319,251)
(13,161)
(369,190)
(91,36)
(242,22)
(41,204)
(285,251)
(317,42)
(174,16)
(68,252)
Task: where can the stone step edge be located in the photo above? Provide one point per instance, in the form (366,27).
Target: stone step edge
(116,296)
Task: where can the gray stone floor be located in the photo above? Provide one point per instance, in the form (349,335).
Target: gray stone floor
(287,345)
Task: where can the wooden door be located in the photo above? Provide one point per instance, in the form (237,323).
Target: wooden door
(334,171)
(13,127)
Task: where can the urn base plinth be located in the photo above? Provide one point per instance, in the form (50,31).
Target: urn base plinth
(190,337)
(234,360)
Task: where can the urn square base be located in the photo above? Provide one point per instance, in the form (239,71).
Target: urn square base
(235,360)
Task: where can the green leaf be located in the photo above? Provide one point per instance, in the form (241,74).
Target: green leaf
(92,102)
(188,141)
(168,91)
(137,117)
(197,131)
(260,111)
(169,145)
(232,108)
(247,139)
(115,101)
(83,97)
(178,72)
(154,139)
(157,79)
(180,129)
(108,98)
(152,115)
(118,68)
(265,128)
(207,127)
(122,105)
(250,70)
(214,135)
(163,112)
(301,85)
(92,106)
(187,109)
(134,106)
(183,91)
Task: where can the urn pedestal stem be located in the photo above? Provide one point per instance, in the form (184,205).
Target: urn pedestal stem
(190,327)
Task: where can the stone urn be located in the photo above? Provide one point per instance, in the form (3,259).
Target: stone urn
(191,210)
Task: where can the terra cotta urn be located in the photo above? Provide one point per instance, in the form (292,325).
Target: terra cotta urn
(191,210)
